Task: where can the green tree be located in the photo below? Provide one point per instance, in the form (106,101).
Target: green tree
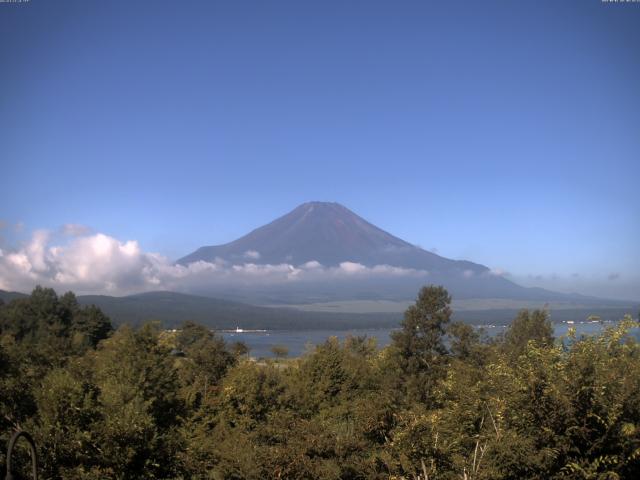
(206,361)
(68,418)
(528,327)
(91,325)
(239,349)
(465,342)
(139,405)
(280,351)
(418,347)
(51,325)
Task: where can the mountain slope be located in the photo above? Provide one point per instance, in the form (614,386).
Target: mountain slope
(172,309)
(330,234)
(8,296)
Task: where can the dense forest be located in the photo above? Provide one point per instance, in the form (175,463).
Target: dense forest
(441,402)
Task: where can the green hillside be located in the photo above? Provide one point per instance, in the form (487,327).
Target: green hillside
(173,308)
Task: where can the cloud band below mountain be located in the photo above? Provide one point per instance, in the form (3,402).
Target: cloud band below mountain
(99,263)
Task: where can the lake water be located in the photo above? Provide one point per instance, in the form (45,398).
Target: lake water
(260,343)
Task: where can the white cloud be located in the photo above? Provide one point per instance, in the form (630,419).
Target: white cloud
(498,272)
(252,254)
(99,263)
(36,250)
(352,268)
(96,263)
(357,269)
(312,265)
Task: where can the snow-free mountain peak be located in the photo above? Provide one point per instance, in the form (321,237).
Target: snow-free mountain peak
(330,234)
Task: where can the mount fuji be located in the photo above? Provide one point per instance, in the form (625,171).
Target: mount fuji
(331,235)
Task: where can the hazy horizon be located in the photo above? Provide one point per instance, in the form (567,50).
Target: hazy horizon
(77,257)
(505,134)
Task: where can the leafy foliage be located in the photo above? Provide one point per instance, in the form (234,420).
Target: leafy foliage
(441,402)
(418,348)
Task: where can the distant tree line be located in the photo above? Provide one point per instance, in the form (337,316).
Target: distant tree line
(442,401)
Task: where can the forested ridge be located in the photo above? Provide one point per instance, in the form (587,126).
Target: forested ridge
(441,402)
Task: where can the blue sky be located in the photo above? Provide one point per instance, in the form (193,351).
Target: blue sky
(507,133)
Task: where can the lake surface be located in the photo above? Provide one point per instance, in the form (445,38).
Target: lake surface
(260,343)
